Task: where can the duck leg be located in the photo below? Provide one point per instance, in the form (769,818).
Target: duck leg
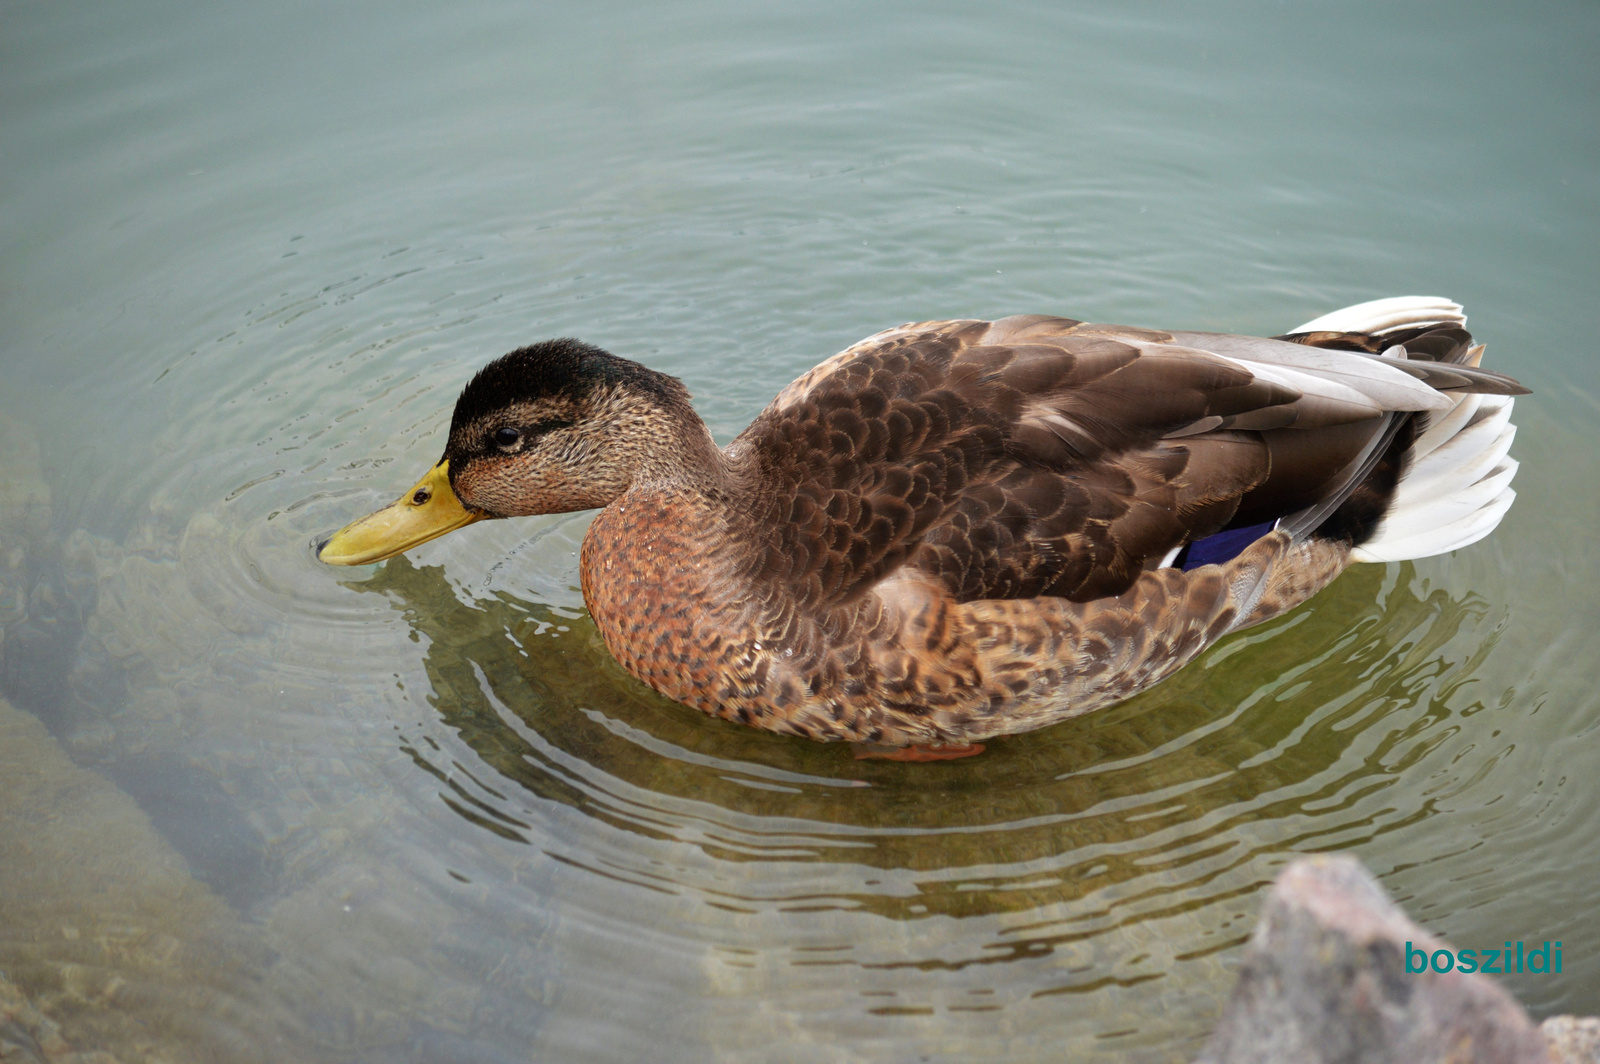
(915,752)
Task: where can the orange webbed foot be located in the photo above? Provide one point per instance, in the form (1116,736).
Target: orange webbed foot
(917,752)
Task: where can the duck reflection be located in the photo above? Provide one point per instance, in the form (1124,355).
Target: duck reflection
(1285,737)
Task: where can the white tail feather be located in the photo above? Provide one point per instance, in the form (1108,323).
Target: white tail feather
(1442,429)
(1457,485)
(1454,536)
(1379,316)
(1419,494)
(1454,494)
(1445,509)
(1465,458)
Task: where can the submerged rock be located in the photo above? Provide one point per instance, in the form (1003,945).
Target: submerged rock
(184,876)
(1325,980)
(105,938)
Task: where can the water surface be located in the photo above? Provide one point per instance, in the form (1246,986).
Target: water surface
(259,809)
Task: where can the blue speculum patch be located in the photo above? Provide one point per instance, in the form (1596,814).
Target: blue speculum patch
(1222,547)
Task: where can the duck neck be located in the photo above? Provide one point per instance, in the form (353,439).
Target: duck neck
(684,455)
(666,446)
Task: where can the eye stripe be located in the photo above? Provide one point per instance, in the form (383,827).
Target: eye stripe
(546,426)
(510,439)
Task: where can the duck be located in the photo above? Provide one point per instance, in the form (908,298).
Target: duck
(959,530)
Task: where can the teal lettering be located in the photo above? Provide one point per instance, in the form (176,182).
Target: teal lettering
(1519,956)
(1422,960)
(1491,961)
(1558,958)
(1467,960)
(1449,961)
(1541,954)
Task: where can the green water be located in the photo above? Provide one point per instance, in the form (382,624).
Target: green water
(250,253)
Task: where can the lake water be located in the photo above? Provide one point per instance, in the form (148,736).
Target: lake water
(259,809)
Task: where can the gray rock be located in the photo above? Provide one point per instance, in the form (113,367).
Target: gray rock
(1325,982)
(1572,1039)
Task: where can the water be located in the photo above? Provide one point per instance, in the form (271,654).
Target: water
(258,809)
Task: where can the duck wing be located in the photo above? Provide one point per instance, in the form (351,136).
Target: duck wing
(1043,456)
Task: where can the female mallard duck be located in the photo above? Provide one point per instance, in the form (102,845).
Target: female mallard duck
(956,530)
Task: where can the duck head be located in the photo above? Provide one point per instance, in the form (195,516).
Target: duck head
(547,429)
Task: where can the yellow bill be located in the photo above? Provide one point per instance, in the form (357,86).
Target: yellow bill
(427,511)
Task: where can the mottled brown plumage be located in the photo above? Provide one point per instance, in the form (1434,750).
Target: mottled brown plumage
(956,530)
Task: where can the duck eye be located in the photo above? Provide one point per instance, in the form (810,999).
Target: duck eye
(507,437)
